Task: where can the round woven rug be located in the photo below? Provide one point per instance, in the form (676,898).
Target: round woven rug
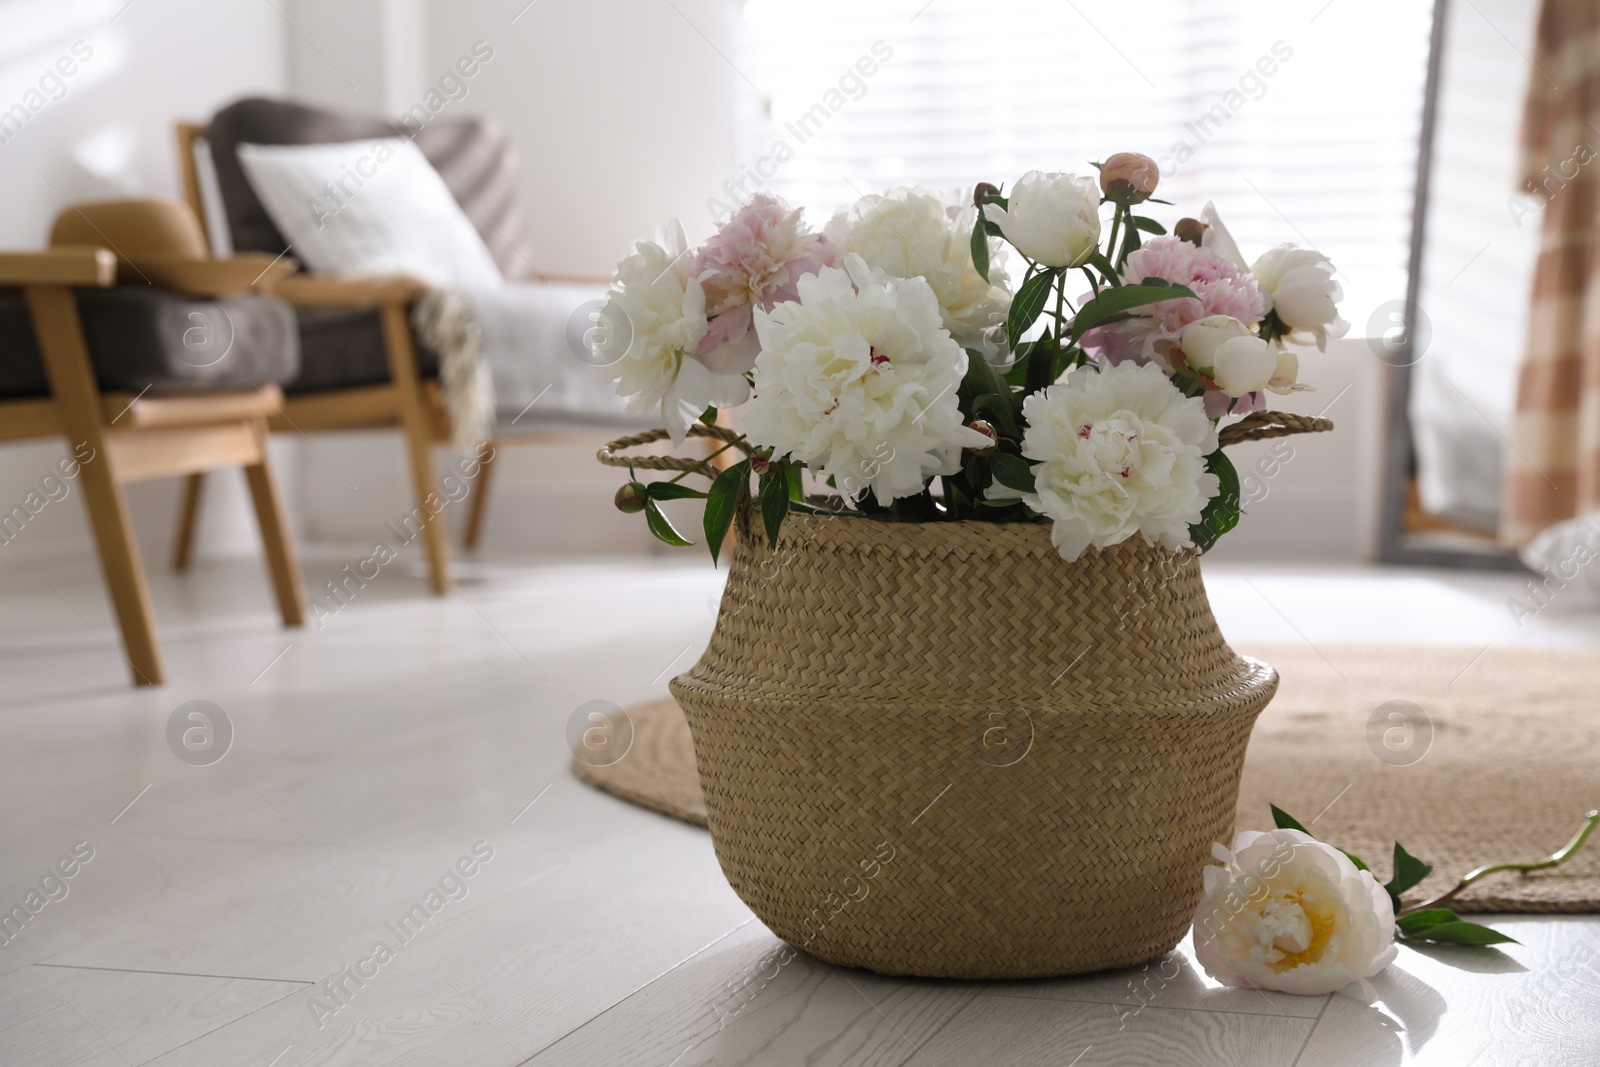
(1466,756)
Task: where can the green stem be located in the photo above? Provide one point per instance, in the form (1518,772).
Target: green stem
(1554,860)
(699,467)
(1061,319)
(1127,240)
(1116,226)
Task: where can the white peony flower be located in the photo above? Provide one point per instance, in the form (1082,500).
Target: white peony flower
(1286,375)
(660,308)
(1226,351)
(1119,451)
(1053,219)
(1288,912)
(1299,282)
(912,234)
(1217,240)
(857,380)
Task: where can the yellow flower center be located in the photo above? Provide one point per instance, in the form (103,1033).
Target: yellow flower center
(1297,929)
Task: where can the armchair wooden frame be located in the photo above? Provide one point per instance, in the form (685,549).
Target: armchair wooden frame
(405,400)
(120,438)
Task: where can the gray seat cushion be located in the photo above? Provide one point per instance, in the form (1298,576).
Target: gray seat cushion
(142,338)
(342,348)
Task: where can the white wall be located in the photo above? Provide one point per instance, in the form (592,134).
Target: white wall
(1315,496)
(622,111)
(356,55)
(623,116)
(106,132)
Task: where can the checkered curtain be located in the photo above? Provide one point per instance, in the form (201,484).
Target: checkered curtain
(1553,468)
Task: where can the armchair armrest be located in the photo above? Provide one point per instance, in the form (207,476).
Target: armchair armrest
(312,291)
(243,273)
(59,266)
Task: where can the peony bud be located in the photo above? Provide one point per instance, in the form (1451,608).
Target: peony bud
(1224,349)
(983,426)
(1191,230)
(630,499)
(1129,177)
(1053,219)
(983,190)
(760,462)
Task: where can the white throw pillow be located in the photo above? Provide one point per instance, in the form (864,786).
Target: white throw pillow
(365,208)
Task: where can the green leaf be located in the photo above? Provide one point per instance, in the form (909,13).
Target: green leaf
(1149,225)
(722,503)
(980,250)
(1013,472)
(1408,871)
(1027,304)
(1107,271)
(1459,933)
(1112,301)
(981,377)
(1419,920)
(672,491)
(774,501)
(662,527)
(1221,513)
(797,485)
(1284,821)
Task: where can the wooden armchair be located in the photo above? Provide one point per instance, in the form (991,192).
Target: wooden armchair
(363,367)
(74,327)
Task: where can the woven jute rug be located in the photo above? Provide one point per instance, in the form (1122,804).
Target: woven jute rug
(1467,756)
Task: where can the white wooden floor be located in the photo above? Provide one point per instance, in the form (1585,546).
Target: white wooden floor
(372,755)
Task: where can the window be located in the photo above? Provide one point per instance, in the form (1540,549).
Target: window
(1299,119)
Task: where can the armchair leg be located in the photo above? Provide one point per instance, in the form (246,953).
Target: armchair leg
(414,424)
(188,520)
(54,314)
(124,572)
(480,500)
(275,539)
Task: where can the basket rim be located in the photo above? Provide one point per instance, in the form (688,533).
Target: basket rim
(961,537)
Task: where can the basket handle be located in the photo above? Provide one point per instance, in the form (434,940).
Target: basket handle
(608,454)
(1256,426)
(1260,425)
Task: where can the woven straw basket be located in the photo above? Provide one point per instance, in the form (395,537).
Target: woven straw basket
(937,749)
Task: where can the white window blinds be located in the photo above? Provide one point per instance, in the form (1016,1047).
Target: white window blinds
(1299,119)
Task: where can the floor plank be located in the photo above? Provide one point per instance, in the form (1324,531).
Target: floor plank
(65,1015)
(750,1000)
(1534,1002)
(1013,1032)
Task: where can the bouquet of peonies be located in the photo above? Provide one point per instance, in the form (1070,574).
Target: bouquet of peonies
(892,351)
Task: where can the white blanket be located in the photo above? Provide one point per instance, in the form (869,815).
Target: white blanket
(510,358)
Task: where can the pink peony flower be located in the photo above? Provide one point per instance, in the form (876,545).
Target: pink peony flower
(1223,289)
(756,260)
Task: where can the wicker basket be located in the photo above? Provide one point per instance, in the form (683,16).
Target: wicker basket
(937,749)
